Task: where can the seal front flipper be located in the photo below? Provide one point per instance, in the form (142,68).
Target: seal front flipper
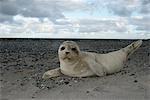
(52,73)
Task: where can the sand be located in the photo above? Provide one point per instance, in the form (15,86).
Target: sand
(23,62)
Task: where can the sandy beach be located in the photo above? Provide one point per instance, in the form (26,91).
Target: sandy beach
(23,62)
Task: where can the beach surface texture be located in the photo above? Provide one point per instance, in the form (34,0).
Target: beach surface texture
(23,62)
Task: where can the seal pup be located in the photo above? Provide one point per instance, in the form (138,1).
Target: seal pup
(76,63)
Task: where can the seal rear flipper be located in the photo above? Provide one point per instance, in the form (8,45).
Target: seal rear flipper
(132,47)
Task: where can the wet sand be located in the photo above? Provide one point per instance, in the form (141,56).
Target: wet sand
(23,62)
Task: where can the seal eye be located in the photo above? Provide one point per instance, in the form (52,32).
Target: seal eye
(73,49)
(62,48)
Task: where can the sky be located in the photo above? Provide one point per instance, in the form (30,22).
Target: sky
(93,19)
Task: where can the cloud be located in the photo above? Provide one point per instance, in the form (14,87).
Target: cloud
(145,9)
(8,8)
(53,9)
(116,27)
(86,25)
(117,24)
(27,25)
(141,23)
(122,7)
(30,8)
(6,18)
(34,17)
(117,7)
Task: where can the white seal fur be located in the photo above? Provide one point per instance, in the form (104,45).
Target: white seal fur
(76,63)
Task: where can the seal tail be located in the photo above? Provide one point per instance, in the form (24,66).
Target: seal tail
(132,47)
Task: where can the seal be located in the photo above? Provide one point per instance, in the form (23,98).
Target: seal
(76,63)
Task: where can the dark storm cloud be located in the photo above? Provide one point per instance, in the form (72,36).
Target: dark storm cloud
(53,9)
(145,2)
(29,8)
(145,9)
(7,18)
(8,8)
(121,10)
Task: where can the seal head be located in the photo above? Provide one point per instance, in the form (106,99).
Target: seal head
(69,51)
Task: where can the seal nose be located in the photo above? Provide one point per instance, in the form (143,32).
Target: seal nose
(67,52)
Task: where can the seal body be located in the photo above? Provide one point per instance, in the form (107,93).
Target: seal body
(76,63)
(90,64)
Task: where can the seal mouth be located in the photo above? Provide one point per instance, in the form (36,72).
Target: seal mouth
(66,58)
